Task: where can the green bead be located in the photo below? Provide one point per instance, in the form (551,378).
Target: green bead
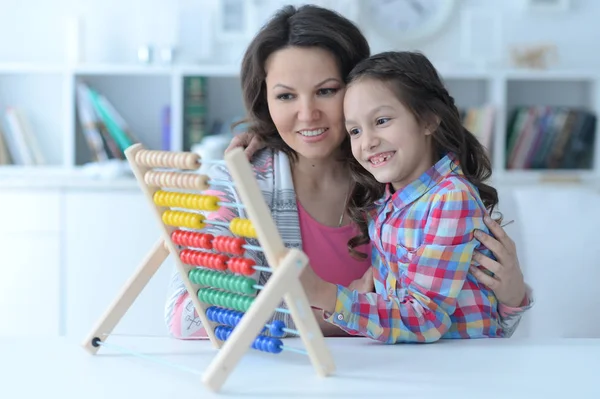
(219,280)
(223,281)
(209,279)
(239,302)
(247,304)
(192,276)
(232,283)
(235,285)
(226,300)
(247,286)
(212,297)
(201,276)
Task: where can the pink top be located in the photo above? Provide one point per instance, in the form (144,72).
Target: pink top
(327,250)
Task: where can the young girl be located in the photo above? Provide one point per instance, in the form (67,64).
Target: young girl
(406,133)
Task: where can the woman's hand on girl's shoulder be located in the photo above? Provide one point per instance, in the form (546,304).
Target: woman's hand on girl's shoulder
(507,283)
(251,142)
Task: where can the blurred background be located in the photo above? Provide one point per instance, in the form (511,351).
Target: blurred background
(82,80)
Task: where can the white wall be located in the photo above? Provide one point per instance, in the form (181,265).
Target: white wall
(113,29)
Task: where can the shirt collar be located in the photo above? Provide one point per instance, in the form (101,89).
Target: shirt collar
(448,165)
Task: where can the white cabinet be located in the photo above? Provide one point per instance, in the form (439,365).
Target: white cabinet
(29,284)
(30,262)
(561,258)
(107,234)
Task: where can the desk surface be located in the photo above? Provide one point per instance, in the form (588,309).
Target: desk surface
(489,368)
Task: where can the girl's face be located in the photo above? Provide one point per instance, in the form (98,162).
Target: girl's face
(385,136)
(305,97)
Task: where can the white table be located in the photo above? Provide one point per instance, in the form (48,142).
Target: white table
(505,368)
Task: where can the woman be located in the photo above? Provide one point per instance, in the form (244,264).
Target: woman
(293,75)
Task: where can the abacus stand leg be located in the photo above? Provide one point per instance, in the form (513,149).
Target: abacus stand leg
(254,319)
(134,286)
(310,332)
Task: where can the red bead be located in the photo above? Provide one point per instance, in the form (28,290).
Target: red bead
(232,245)
(247,266)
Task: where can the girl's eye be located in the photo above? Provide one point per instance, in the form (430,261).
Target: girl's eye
(353,132)
(285,96)
(327,91)
(381,121)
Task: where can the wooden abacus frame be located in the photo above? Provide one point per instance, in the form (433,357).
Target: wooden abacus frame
(283,283)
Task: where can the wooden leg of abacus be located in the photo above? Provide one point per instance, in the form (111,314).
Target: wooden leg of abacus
(250,326)
(139,172)
(132,289)
(283,283)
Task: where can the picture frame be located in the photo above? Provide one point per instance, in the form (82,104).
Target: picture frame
(234,19)
(481,37)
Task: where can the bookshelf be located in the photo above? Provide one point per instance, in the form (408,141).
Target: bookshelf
(47,96)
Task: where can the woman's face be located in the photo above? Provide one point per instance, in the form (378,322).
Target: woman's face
(305,95)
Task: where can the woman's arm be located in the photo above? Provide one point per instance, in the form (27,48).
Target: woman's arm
(514,297)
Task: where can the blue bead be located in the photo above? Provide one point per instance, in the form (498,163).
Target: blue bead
(276,328)
(231,318)
(275,345)
(211,313)
(219,315)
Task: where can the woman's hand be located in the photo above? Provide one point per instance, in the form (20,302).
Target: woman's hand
(246,140)
(507,283)
(365,283)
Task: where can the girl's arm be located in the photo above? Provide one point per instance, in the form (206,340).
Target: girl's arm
(434,278)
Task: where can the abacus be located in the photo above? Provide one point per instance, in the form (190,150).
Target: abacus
(234,323)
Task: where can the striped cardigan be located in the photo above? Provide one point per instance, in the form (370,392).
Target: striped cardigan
(274,176)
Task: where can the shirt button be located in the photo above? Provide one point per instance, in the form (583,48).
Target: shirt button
(340,317)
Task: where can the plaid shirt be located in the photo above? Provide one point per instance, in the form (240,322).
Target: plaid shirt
(423,244)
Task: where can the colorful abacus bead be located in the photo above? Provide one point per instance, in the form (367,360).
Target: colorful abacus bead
(208,260)
(243,266)
(185,200)
(232,245)
(261,343)
(183,219)
(189,181)
(276,328)
(242,227)
(225,299)
(192,239)
(239,284)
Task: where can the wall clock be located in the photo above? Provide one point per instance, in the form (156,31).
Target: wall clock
(406,21)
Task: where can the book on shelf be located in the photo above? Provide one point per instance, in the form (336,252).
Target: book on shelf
(480,122)
(18,142)
(550,137)
(194,110)
(106,132)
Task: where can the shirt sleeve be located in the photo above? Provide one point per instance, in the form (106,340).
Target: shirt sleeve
(433,280)
(511,316)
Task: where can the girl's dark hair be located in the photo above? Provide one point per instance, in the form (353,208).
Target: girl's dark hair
(418,86)
(305,26)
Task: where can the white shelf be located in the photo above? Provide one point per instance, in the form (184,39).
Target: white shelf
(139,92)
(29,68)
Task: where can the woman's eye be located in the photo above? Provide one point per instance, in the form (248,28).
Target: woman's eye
(327,92)
(285,96)
(381,121)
